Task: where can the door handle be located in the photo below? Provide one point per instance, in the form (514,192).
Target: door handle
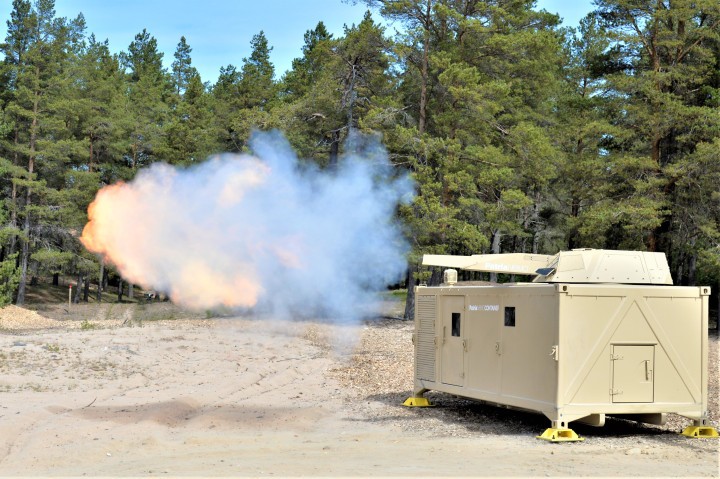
(648,371)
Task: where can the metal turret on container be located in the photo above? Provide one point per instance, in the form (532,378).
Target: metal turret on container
(596,333)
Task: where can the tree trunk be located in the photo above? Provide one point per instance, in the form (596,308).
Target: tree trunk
(692,270)
(91,164)
(76,297)
(120,290)
(28,198)
(334,150)
(131,291)
(717,318)
(13,199)
(24,255)
(495,250)
(24,260)
(100,281)
(56,279)
(351,96)
(86,289)
(424,71)
(536,220)
(410,301)
(435,277)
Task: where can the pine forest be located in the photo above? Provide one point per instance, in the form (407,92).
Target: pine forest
(520,135)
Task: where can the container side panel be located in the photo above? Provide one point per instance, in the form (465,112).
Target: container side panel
(669,384)
(596,386)
(635,346)
(584,345)
(425,308)
(678,325)
(483,333)
(635,327)
(528,369)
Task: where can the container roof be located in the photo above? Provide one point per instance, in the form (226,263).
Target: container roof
(575,266)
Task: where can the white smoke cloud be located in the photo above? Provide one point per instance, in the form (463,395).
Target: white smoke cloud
(266,232)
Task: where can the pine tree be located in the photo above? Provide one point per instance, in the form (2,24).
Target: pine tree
(307,69)
(360,70)
(190,134)
(182,69)
(309,96)
(257,84)
(584,120)
(42,111)
(227,103)
(484,79)
(15,48)
(668,57)
(257,92)
(418,16)
(146,105)
(333,88)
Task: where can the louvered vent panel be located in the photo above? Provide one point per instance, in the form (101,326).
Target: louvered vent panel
(425,337)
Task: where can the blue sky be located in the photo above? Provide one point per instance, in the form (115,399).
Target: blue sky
(219,31)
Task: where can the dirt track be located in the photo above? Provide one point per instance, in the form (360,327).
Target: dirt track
(244,397)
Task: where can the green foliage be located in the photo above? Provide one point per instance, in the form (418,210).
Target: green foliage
(182,69)
(188,134)
(520,136)
(86,325)
(9,279)
(257,85)
(243,99)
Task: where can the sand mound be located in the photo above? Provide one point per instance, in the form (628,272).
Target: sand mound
(16,318)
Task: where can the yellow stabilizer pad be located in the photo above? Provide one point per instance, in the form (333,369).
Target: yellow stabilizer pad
(417,402)
(560,435)
(700,431)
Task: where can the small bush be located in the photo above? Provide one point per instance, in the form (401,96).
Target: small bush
(85,325)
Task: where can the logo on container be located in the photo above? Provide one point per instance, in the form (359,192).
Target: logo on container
(484,307)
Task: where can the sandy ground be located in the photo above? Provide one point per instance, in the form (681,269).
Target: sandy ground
(248,397)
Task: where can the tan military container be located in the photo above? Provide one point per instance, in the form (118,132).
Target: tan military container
(596,333)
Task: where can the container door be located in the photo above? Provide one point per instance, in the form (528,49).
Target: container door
(482,332)
(452,349)
(633,373)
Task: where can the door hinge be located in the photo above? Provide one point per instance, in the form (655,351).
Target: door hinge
(615,392)
(615,357)
(555,352)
